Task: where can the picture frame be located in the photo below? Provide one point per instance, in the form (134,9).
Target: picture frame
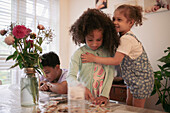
(151,6)
(101,4)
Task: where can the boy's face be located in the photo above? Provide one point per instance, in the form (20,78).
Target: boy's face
(95,39)
(51,73)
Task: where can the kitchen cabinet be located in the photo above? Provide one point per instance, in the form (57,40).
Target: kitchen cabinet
(118,90)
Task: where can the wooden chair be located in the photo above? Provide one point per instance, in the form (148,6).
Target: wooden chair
(0,82)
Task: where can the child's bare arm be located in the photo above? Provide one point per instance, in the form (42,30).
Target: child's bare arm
(116,60)
(59,88)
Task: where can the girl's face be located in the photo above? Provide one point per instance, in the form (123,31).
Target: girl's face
(95,39)
(121,23)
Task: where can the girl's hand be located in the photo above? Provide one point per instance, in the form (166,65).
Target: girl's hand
(87,57)
(100,100)
(88,95)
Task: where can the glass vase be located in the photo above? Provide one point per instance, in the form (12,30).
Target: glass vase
(29,88)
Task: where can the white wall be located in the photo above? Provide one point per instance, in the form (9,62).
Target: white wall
(154,34)
(76,9)
(63,34)
(70,10)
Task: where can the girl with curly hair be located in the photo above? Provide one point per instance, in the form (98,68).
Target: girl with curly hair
(135,66)
(96,30)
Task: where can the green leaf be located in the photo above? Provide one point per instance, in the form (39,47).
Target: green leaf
(19,57)
(164,90)
(20,65)
(162,78)
(164,96)
(165,59)
(15,55)
(9,57)
(14,65)
(41,66)
(38,47)
(158,102)
(166,65)
(166,107)
(28,45)
(160,67)
(158,75)
(167,74)
(157,84)
(153,92)
(40,40)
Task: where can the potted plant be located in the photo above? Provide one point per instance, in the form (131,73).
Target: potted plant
(162,80)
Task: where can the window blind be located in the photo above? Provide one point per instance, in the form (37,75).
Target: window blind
(30,13)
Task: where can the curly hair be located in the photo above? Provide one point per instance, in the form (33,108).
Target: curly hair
(91,20)
(50,59)
(131,13)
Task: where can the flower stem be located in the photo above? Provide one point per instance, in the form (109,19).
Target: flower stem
(20,55)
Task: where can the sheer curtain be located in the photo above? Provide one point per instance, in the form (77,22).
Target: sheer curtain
(30,13)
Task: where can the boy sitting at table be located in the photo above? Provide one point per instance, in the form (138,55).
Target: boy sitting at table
(55,78)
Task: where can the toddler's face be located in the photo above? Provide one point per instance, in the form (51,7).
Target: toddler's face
(121,23)
(95,39)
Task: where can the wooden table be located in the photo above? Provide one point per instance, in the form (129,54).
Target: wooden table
(10,103)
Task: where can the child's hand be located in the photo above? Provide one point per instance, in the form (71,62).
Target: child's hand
(88,95)
(53,87)
(50,86)
(44,86)
(87,57)
(100,100)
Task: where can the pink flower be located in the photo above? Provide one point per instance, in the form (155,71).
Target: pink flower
(28,31)
(19,31)
(3,32)
(31,42)
(40,27)
(9,40)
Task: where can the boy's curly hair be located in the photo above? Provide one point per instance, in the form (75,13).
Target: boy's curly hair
(93,19)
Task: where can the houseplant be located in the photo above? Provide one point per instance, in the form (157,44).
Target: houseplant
(27,50)
(162,82)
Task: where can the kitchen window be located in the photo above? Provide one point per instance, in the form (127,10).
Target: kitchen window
(30,13)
